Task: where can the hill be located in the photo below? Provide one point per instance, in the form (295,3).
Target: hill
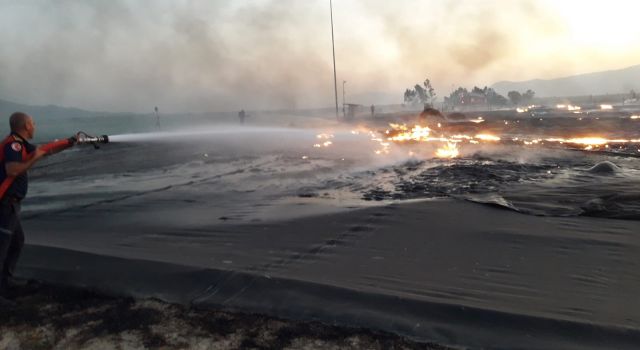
(599,83)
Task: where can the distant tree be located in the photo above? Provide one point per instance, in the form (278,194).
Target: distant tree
(528,96)
(420,94)
(459,93)
(409,96)
(431,92)
(633,94)
(515,97)
(477,90)
(494,98)
(455,97)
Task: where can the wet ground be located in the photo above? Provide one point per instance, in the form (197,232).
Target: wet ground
(281,222)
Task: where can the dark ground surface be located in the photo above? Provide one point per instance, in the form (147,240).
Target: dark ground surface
(219,223)
(49,316)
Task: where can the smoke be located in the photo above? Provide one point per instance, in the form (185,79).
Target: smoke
(125,55)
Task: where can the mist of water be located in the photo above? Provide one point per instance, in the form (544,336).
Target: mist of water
(200,133)
(342,145)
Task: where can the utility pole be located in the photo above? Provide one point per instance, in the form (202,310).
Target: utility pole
(333,46)
(343,100)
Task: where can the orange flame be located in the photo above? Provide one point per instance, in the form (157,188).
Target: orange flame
(449,150)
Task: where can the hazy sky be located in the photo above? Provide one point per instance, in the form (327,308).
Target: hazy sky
(126,55)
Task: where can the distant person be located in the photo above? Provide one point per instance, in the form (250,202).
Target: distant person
(17,156)
(157,119)
(373,110)
(242,115)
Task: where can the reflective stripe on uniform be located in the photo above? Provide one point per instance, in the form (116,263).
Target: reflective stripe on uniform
(4,231)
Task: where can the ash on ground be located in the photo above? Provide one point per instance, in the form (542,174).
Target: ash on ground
(56,317)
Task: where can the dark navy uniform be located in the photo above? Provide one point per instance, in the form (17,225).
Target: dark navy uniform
(14,149)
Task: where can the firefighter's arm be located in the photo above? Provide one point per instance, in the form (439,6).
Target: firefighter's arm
(59,145)
(14,169)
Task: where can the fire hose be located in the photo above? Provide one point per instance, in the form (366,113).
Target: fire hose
(57,146)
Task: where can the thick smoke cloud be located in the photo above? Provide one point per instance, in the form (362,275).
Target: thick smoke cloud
(123,55)
(127,55)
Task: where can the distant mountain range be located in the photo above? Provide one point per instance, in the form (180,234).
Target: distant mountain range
(6,108)
(600,83)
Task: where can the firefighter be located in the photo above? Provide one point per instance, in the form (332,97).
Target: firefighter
(16,157)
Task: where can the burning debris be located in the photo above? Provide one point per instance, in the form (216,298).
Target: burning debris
(327,140)
(450,150)
(448,138)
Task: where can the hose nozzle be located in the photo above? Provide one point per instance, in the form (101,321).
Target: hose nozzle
(84,138)
(79,138)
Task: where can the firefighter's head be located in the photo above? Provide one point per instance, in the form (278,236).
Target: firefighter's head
(23,125)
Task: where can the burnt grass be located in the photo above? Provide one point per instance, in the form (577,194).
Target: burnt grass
(467,176)
(94,315)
